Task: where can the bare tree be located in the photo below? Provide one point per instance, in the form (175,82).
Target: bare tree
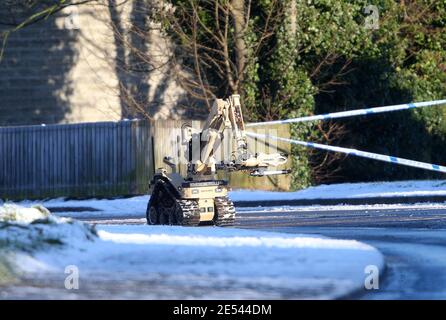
(32,11)
(211,42)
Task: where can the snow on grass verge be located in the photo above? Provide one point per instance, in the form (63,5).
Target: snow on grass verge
(173,262)
(87,208)
(24,231)
(212,263)
(33,228)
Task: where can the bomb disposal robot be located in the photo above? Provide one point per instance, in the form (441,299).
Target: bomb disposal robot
(200,197)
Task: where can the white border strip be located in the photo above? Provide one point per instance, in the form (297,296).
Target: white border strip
(358,153)
(351,113)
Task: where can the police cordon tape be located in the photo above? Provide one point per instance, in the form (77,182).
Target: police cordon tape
(352,113)
(358,153)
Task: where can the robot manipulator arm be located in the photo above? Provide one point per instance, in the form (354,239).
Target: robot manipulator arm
(227,114)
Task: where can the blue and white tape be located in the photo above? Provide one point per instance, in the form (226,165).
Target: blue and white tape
(358,153)
(351,113)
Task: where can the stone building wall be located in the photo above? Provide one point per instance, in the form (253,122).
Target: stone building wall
(73,67)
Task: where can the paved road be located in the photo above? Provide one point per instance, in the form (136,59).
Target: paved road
(413,241)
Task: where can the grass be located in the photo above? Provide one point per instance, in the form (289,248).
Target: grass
(7,276)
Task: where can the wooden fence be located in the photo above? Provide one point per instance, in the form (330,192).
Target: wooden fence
(103,159)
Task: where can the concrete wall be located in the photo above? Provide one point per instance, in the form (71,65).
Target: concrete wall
(73,67)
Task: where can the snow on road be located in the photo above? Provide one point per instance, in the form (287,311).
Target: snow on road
(343,207)
(136,206)
(140,261)
(187,263)
(132,210)
(120,207)
(272,265)
(350,191)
